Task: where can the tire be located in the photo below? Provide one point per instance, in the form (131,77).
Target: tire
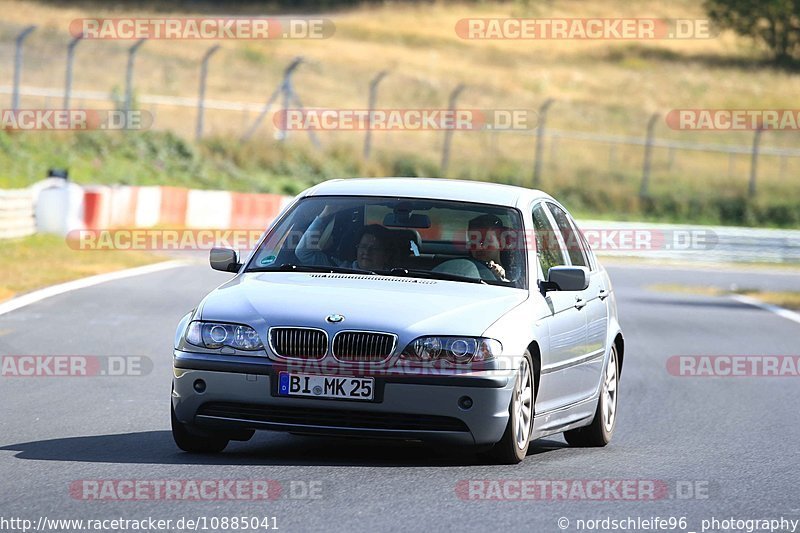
(600,431)
(513,446)
(195,442)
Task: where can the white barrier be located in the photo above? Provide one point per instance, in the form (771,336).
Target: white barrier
(148,207)
(16,213)
(59,208)
(123,206)
(209,209)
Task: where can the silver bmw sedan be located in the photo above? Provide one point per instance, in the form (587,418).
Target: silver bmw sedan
(405,308)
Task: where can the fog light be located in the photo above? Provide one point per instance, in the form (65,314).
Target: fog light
(465,403)
(200,386)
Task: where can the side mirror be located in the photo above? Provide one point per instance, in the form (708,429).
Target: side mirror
(566,278)
(224,259)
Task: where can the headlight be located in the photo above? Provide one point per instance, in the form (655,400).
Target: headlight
(215,335)
(459,350)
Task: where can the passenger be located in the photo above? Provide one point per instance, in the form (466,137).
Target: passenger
(372,251)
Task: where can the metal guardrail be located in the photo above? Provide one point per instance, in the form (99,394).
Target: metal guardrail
(708,244)
(16,213)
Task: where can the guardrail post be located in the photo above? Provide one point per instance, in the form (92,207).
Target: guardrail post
(540,133)
(202,93)
(129,75)
(751,189)
(448,133)
(70,61)
(373,90)
(18,65)
(648,155)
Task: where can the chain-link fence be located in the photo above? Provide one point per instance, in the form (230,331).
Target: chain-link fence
(202,89)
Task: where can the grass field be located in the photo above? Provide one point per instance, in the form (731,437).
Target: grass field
(608,87)
(41,260)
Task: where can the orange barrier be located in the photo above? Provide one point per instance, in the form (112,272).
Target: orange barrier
(173,206)
(96,207)
(254,211)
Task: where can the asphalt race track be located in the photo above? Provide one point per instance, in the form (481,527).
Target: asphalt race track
(726,447)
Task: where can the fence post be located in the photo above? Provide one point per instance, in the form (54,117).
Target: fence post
(751,190)
(782,171)
(730,164)
(373,91)
(70,60)
(284,87)
(648,155)
(540,133)
(448,133)
(129,76)
(202,96)
(612,156)
(18,65)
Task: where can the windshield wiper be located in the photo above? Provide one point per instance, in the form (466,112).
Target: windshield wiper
(289,267)
(413,272)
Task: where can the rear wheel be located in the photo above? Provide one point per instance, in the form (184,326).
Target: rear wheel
(513,446)
(193,441)
(599,432)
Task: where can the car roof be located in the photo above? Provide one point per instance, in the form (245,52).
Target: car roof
(433,188)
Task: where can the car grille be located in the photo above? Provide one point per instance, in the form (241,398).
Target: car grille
(299,343)
(331,418)
(363,346)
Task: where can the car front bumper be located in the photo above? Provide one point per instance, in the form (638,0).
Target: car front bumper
(239,393)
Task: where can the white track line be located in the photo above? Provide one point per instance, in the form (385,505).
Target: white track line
(54,290)
(780,311)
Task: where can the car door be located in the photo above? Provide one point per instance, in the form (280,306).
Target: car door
(595,308)
(567,323)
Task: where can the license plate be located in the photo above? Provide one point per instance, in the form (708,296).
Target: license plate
(348,388)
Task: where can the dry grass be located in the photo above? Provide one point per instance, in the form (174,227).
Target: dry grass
(41,260)
(785,299)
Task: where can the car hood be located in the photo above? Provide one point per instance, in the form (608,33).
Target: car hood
(407,306)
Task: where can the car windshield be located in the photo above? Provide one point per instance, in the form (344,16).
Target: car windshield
(437,239)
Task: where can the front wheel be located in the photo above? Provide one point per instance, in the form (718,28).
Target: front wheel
(513,447)
(599,432)
(192,442)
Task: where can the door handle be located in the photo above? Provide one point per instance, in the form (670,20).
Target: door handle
(603,294)
(580,303)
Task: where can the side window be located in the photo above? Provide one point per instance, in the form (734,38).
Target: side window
(547,247)
(572,239)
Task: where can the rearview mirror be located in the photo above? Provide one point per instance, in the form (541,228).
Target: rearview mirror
(566,278)
(404,219)
(224,259)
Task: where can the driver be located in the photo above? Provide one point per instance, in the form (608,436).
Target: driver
(484,240)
